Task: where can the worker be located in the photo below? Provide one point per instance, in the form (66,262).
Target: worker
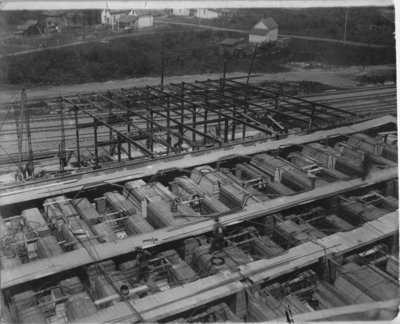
(218,241)
(142,263)
(365,166)
(124,290)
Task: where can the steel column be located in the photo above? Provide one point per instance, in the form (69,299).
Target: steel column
(77,137)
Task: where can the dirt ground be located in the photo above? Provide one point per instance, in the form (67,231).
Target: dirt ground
(347,77)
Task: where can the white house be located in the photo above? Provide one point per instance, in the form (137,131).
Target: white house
(181,12)
(266,30)
(125,18)
(111,17)
(207,13)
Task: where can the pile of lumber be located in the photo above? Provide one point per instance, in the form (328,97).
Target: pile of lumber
(250,172)
(35,221)
(335,222)
(140,194)
(266,247)
(214,314)
(370,282)
(230,258)
(31,315)
(282,171)
(290,234)
(72,285)
(181,272)
(48,247)
(60,210)
(357,212)
(330,297)
(265,307)
(218,185)
(305,162)
(79,306)
(159,214)
(392,266)
(135,223)
(85,209)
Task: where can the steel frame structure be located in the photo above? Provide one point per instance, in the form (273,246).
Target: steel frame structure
(199,115)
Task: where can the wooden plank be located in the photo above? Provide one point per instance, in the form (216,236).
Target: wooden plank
(40,189)
(24,273)
(344,310)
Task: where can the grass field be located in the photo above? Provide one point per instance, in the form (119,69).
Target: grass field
(186,52)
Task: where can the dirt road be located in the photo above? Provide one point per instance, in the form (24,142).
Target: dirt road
(343,77)
(241,31)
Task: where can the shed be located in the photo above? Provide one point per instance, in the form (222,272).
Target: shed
(181,12)
(127,21)
(266,30)
(207,13)
(29,28)
(228,45)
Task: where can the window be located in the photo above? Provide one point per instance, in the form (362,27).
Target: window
(204,12)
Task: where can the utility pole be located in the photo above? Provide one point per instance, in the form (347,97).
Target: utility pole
(30,168)
(251,64)
(19,127)
(345,26)
(162,62)
(62,146)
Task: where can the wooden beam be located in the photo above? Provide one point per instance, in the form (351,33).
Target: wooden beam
(344,310)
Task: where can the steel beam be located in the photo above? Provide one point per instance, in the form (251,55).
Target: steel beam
(126,138)
(296,98)
(310,115)
(256,127)
(233,111)
(151,120)
(183,125)
(124,120)
(306,122)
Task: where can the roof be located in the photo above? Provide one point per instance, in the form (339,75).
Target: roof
(230,41)
(257,31)
(27,25)
(269,22)
(126,19)
(144,12)
(117,12)
(53,13)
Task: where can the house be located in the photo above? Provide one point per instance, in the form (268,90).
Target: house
(181,12)
(228,45)
(207,13)
(143,19)
(30,27)
(55,20)
(135,22)
(266,30)
(111,17)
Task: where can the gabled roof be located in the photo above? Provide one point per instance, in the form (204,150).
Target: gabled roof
(261,32)
(230,41)
(126,19)
(270,23)
(27,25)
(117,12)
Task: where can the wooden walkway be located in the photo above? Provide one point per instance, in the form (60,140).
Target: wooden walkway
(46,267)
(226,283)
(126,172)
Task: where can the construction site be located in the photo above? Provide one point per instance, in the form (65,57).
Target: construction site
(210,201)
